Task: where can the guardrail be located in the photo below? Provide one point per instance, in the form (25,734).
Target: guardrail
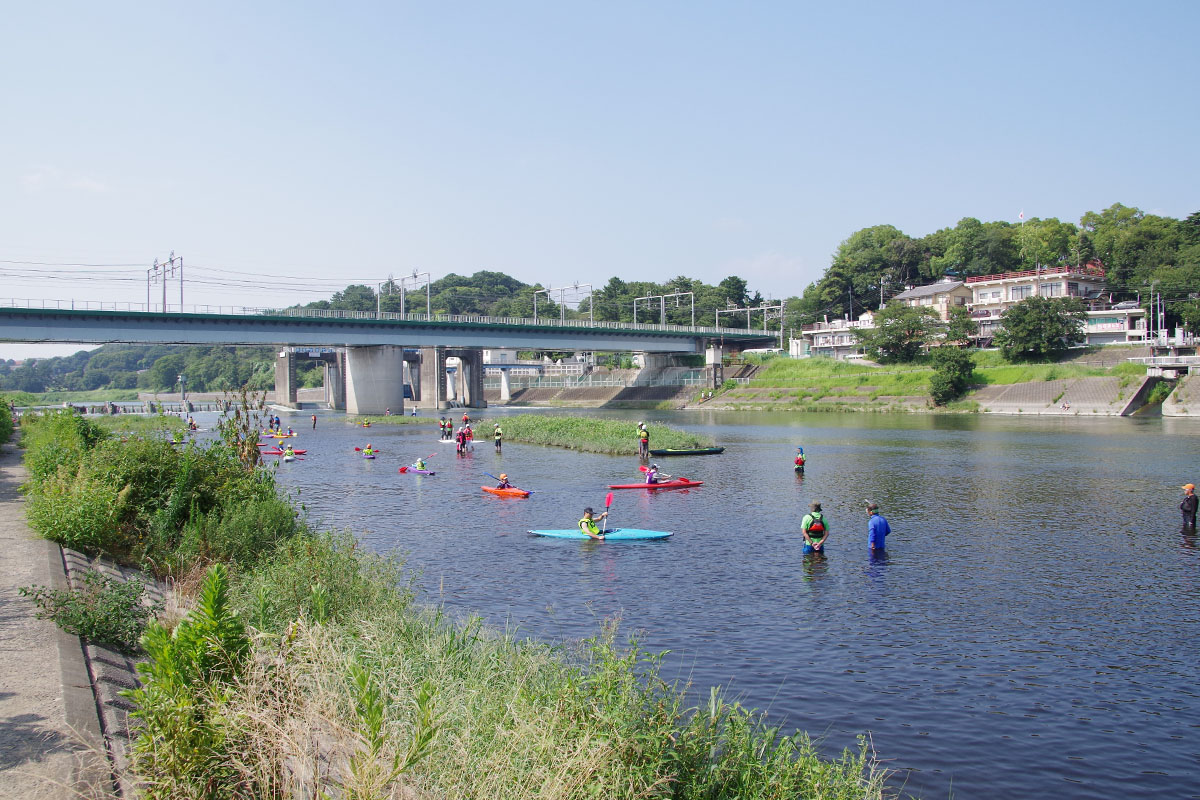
(383,316)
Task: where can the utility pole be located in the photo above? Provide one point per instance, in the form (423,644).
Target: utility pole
(662,298)
(415,278)
(160,272)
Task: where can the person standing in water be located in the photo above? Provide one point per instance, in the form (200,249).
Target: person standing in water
(877,528)
(314,418)
(498,435)
(814,528)
(643,440)
(1188,505)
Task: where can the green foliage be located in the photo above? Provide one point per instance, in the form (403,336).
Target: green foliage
(6,423)
(1160,392)
(900,334)
(104,610)
(186,684)
(1041,327)
(595,435)
(951,378)
(79,511)
(961,328)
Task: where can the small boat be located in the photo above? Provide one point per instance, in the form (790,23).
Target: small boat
(368,455)
(288,458)
(615,533)
(674,483)
(411,469)
(511,491)
(694,451)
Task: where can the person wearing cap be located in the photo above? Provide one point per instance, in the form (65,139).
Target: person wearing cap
(643,440)
(497,434)
(1188,505)
(814,528)
(504,484)
(877,528)
(588,524)
(653,474)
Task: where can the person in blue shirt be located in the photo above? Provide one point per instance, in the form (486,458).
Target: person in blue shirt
(877,528)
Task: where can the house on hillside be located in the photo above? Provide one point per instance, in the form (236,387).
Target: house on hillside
(831,338)
(939,297)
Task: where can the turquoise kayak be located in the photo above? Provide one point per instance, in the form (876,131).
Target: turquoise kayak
(615,533)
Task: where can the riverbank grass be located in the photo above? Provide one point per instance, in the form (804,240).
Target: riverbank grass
(590,435)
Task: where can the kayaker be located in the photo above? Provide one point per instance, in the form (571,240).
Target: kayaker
(877,528)
(419,464)
(643,440)
(290,431)
(799,458)
(588,524)
(497,434)
(367,451)
(288,451)
(503,484)
(653,475)
(815,528)
(1188,505)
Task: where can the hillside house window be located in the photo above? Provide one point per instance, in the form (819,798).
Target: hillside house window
(1073,289)
(1050,290)
(1019,292)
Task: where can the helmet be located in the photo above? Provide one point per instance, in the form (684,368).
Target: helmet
(641,424)
(654,466)
(503,476)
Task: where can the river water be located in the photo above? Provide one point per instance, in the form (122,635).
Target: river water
(1031,630)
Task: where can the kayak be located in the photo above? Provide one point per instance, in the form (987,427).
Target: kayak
(509,492)
(368,455)
(413,469)
(695,451)
(278,452)
(615,533)
(288,458)
(676,483)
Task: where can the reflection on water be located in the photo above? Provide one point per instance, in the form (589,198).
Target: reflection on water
(1030,630)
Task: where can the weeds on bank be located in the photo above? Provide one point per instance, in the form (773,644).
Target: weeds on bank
(615,437)
(104,610)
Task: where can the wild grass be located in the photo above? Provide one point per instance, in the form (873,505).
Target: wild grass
(395,419)
(25,399)
(142,425)
(615,437)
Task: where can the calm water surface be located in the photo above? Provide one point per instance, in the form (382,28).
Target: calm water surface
(1032,629)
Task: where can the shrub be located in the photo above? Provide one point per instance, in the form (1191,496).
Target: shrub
(79,511)
(103,611)
(6,423)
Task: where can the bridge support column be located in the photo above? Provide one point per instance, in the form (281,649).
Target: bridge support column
(505,390)
(713,360)
(470,377)
(374,379)
(285,378)
(335,383)
(432,379)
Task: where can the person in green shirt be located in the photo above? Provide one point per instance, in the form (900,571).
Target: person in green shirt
(815,529)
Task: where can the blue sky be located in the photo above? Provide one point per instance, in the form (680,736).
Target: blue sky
(300,146)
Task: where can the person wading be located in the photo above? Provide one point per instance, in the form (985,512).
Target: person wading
(815,529)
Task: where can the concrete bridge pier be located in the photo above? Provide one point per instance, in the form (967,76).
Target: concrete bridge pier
(285,378)
(713,360)
(374,379)
(429,390)
(335,383)
(505,390)
(470,377)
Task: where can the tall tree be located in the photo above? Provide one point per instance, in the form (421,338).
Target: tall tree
(1040,327)
(901,333)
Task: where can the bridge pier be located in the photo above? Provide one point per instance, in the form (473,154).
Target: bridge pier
(375,379)
(335,383)
(505,390)
(285,378)
(429,390)
(714,361)
(470,377)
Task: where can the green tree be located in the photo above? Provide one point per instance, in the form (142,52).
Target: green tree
(164,373)
(901,332)
(961,328)
(1189,315)
(1041,327)
(952,369)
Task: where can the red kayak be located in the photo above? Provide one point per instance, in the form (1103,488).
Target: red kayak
(674,483)
(511,491)
(278,452)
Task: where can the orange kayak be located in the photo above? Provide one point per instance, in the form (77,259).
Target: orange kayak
(510,492)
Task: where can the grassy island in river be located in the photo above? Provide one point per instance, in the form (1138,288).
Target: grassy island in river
(613,437)
(302,648)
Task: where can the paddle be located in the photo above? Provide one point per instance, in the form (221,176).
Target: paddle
(373,450)
(607,519)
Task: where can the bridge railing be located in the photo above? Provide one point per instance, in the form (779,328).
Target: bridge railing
(384,316)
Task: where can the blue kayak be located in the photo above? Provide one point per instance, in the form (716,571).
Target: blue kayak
(615,533)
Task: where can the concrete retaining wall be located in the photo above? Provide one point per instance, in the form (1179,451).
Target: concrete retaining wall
(1104,396)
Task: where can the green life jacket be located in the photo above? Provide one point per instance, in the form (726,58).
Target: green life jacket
(588,526)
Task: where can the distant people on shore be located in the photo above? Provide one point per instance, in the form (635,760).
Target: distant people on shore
(877,528)
(1188,505)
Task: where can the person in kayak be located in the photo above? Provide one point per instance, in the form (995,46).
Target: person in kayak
(588,524)
(1188,505)
(654,475)
(288,451)
(503,484)
(815,529)
(643,440)
(498,435)
(419,464)
(799,459)
(877,529)
(367,451)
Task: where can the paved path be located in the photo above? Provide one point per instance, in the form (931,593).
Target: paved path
(41,757)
